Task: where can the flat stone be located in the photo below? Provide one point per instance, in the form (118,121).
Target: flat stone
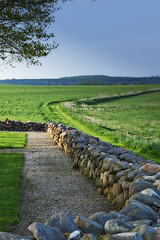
(140,222)
(127,236)
(150,168)
(147,232)
(128,158)
(100,218)
(120,216)
(107,162)
(146,200)
(10,236)
(88,226)
(139,185)
(63,221)
(43,232)
(137,210)
(151,179)
(150,192)
(117,226)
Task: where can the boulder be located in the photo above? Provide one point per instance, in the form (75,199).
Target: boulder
(140,222)
(147,232)
(151,193)
(137,211)
(139,185)
(146,200)
(117,226)
(41,232)
(118,215)
(88,226)
(150,168)
(100,218)
(63,221)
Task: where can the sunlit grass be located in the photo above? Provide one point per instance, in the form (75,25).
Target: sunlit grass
(12,139)
(10,183)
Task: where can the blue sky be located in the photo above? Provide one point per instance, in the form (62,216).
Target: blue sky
(109,37)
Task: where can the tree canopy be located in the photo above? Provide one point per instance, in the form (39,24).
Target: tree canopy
(24,29)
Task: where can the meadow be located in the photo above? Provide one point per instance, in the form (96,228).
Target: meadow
(23,103)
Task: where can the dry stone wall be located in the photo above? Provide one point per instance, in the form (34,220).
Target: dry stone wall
(131,183)
(9,125)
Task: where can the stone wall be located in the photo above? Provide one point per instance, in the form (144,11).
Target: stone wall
(9,125)
(131,183)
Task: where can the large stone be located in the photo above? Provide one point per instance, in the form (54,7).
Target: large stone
(10,236)
(127,236)
(107,162)
(146,200)
(117,215)
(150,168)
(147,232)
(100,218)
(63,221)
(43,232)
(140,222)
(88,226)
(137,210)
(139,185)
(117,226)
(151,193)
(128,157)
(120,165)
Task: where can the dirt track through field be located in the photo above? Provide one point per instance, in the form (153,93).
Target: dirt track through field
(51,185)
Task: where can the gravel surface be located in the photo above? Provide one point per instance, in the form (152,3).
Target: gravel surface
(51,185)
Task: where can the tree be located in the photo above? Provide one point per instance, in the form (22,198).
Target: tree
(24,29)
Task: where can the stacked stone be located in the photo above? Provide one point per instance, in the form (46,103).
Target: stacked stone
(129,182)
(99,226)
(9,125)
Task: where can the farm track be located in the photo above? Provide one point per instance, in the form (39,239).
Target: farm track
(51,185)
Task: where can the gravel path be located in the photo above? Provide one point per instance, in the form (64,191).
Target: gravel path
(51,185)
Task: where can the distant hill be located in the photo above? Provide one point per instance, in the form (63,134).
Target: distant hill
(84,80)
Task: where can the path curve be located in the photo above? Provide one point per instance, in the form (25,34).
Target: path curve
(51,185)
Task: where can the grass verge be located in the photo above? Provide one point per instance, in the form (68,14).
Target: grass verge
(10,184)
(12,139)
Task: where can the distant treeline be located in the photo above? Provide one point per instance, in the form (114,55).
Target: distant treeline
(84,80)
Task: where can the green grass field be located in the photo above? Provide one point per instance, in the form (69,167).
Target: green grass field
(10,185)
(23,103)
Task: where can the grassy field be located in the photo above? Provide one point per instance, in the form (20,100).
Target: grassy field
(10,166)
(23,103)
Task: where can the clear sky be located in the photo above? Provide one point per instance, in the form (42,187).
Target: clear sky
(106,37)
